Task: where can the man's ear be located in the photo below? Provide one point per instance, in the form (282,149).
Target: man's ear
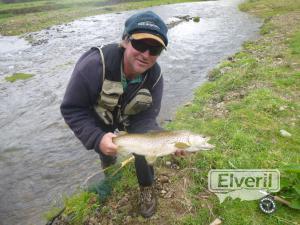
(125,42)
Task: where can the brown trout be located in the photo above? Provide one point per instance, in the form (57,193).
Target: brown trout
(157,144)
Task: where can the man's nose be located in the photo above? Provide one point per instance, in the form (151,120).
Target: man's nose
(146,53)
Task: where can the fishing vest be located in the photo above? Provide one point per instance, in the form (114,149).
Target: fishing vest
(110,107)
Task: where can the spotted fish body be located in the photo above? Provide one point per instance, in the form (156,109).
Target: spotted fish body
(157,144)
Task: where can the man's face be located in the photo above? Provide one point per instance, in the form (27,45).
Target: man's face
(135,61)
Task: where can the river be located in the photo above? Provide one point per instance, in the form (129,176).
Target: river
(40,159)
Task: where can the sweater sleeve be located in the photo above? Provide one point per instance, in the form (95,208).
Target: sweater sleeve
(146,120)
(77,107)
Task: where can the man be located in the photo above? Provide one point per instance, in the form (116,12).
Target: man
(120,87)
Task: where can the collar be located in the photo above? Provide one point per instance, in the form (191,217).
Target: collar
(125,82)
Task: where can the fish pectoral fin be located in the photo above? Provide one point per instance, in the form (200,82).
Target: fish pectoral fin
(122,152)
(150,159)
(182,145)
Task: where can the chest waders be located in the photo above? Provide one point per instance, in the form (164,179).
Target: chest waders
(110,95)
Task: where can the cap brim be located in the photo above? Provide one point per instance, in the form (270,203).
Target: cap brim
(140,36)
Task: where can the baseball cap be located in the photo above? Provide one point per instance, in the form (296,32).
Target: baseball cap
(146,25)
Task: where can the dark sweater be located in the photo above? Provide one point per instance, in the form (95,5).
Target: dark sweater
(83,91)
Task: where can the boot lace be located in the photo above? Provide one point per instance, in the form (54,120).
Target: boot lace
(146,194)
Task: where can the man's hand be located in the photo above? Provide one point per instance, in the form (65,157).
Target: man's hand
(107,147)
(180,152)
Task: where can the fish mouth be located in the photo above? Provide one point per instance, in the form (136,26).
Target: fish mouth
(200,148)
(206,147)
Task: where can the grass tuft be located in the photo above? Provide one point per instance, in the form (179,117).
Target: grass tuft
(80,206)
(18,76)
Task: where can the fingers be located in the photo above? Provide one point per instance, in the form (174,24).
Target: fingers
(107,147)
(109,150)
(180,152)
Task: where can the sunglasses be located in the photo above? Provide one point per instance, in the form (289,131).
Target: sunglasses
(142,46)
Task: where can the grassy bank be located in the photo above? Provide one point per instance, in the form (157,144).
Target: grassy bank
(250,98)
(28,16)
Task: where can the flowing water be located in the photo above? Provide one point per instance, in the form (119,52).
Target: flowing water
(40,159)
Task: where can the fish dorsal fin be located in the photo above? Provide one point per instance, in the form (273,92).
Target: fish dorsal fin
(182,145)
(150,159)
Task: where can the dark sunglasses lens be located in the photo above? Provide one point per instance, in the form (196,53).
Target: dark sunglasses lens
(139,45)
(155,50)
(142,47)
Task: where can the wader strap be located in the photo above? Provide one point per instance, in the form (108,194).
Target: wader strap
(157,80)
(103,61)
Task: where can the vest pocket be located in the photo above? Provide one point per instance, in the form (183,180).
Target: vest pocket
(110,94)
(141,102)
(108,100)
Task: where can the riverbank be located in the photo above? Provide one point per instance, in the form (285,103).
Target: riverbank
(29,16)
(250,98)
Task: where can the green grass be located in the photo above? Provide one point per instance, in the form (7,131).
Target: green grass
(259,97)
(18,76)
(80,206)
(196,19)
(49,215)
(268,8)
(295,44)
(20,18)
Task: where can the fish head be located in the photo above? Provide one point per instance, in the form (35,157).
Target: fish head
(199,142)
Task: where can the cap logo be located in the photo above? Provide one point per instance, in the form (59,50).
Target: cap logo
(149,24)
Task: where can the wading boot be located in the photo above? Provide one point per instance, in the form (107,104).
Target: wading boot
(148,201)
